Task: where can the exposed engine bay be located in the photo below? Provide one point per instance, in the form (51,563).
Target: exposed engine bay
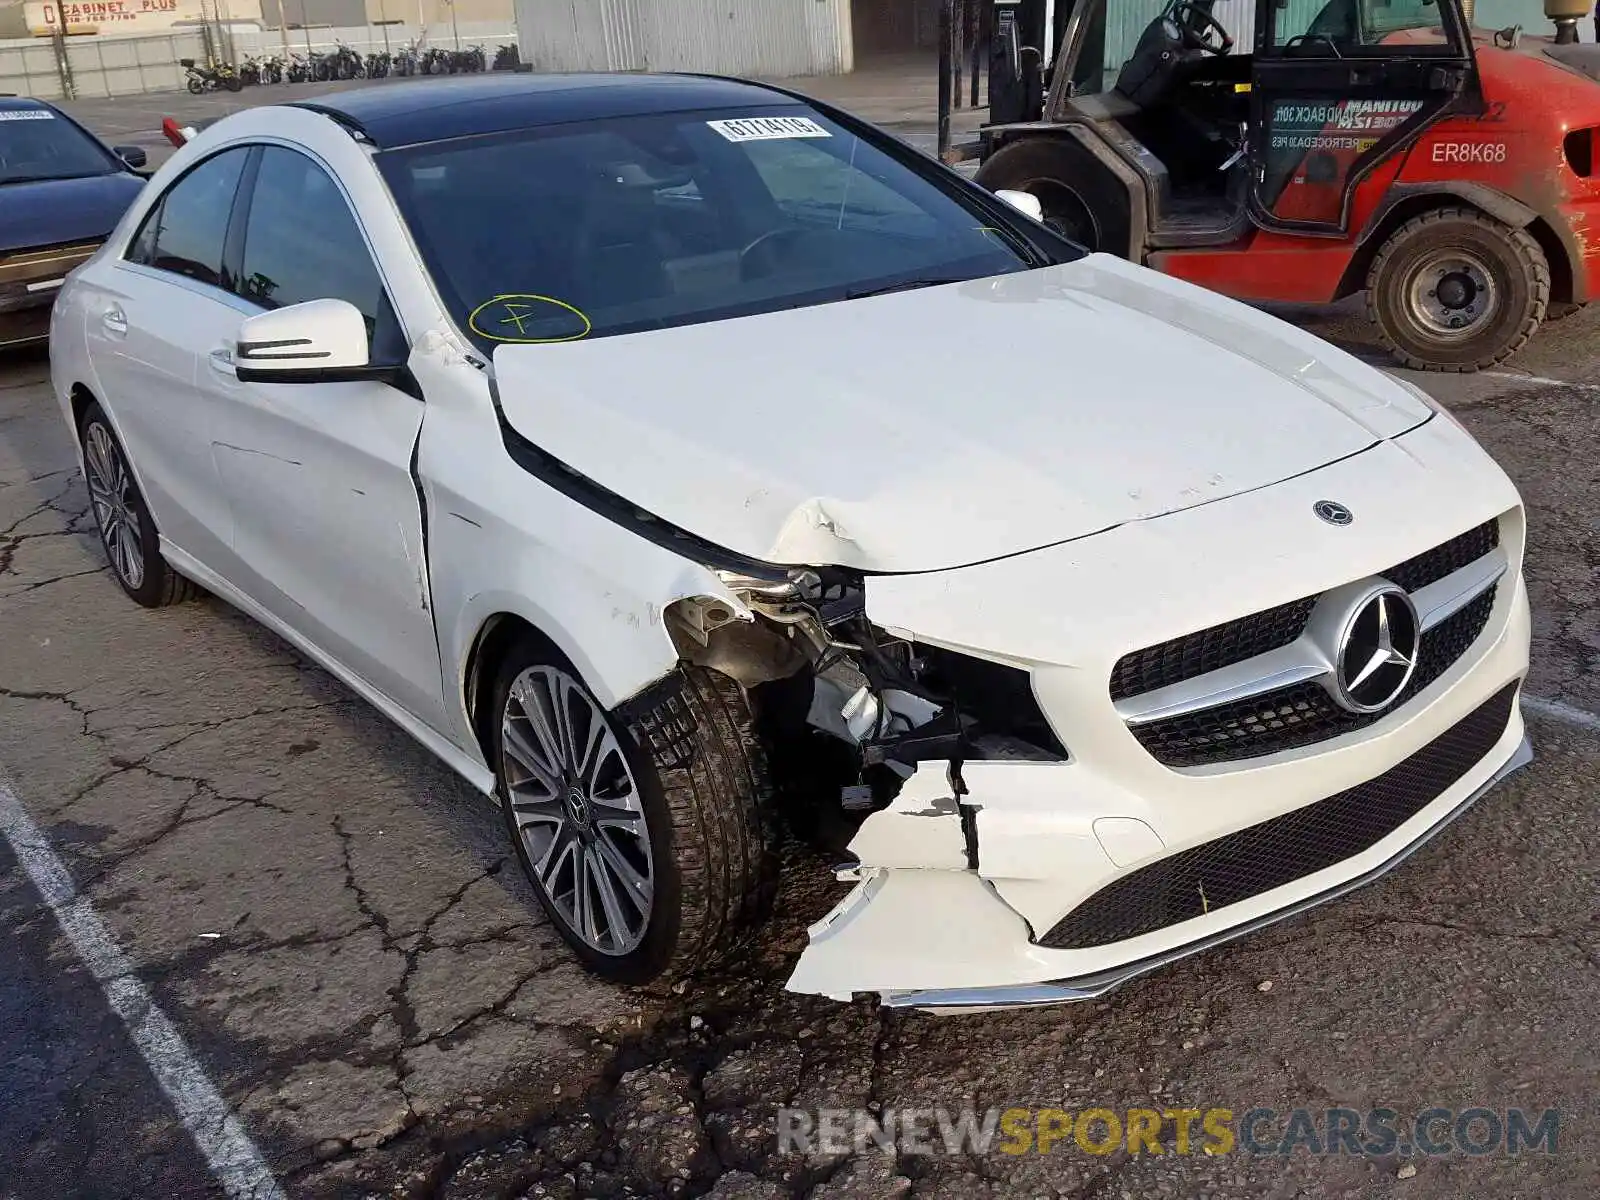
(850,706)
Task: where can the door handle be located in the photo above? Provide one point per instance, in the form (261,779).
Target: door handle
(222,361)
(115,320)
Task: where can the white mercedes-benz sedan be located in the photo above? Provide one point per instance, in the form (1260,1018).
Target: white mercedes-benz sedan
(676,457)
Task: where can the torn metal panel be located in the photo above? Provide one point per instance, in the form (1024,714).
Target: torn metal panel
(907,929)
(921,828)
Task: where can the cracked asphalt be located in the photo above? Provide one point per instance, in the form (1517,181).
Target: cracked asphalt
(336,927)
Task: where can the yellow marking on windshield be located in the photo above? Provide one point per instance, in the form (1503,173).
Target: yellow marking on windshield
(505,318)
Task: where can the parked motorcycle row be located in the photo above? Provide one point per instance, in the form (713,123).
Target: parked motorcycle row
(346,63)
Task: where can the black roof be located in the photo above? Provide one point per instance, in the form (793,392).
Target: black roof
(403,114)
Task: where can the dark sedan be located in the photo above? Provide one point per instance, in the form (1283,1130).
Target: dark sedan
(61,193)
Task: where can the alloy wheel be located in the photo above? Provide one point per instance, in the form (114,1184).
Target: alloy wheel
(112,497)
(577,808)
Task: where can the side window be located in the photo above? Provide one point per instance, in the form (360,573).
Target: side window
(302,242)
(185,232)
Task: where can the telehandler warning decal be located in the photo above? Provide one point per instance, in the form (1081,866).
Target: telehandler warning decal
(1301,126)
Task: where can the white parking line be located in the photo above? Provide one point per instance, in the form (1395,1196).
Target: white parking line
(233,1158)
(1556,710)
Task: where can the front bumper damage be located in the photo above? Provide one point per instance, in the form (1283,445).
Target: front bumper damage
(962,892)
(940,938)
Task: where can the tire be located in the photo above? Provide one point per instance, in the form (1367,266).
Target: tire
(1081,199)
(119,510)
(1500,290)
(195,86)
(684,756)
(235,84)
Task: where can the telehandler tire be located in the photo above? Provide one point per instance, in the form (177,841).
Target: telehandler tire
(1455,290)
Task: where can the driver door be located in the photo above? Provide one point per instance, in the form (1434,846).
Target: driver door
(1338,86)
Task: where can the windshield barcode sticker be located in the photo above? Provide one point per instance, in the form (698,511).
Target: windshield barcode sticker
(766,129)
(27,114)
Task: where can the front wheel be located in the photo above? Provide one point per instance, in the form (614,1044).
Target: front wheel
(643,837)
(1455,290)
(127,531)
(195,86)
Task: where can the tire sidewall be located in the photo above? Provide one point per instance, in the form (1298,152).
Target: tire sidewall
(655,952)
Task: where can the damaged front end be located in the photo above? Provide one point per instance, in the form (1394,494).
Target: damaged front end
(871,732)
(892,701)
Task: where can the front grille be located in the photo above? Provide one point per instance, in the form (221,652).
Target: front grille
(1304,714)
(1223,645)
(1433,565)
(1279,851)
(1209,650)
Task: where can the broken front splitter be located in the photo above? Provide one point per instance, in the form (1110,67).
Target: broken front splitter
(967,930)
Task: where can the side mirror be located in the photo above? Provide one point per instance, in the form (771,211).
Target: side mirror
(1025,203)
(133,156)
(319,341)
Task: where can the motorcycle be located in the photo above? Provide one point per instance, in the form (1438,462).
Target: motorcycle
(345,63)
(406,60)
(378,65)
(299,69)
(250,72)
(209,79)
(507,58)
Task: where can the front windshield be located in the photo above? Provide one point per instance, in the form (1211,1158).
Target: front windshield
(611,227)
(36,143)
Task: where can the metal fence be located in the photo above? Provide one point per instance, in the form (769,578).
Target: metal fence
(103,66)
(97,66)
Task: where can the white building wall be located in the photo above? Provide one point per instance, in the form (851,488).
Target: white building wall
(725,37)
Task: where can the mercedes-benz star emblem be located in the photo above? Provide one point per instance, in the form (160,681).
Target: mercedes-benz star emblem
(1333,512)
(1378,652)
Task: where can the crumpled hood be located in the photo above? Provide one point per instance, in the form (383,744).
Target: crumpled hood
(935,428)
(53,212)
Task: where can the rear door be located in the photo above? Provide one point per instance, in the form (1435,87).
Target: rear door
(145,316)
(1340,86)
